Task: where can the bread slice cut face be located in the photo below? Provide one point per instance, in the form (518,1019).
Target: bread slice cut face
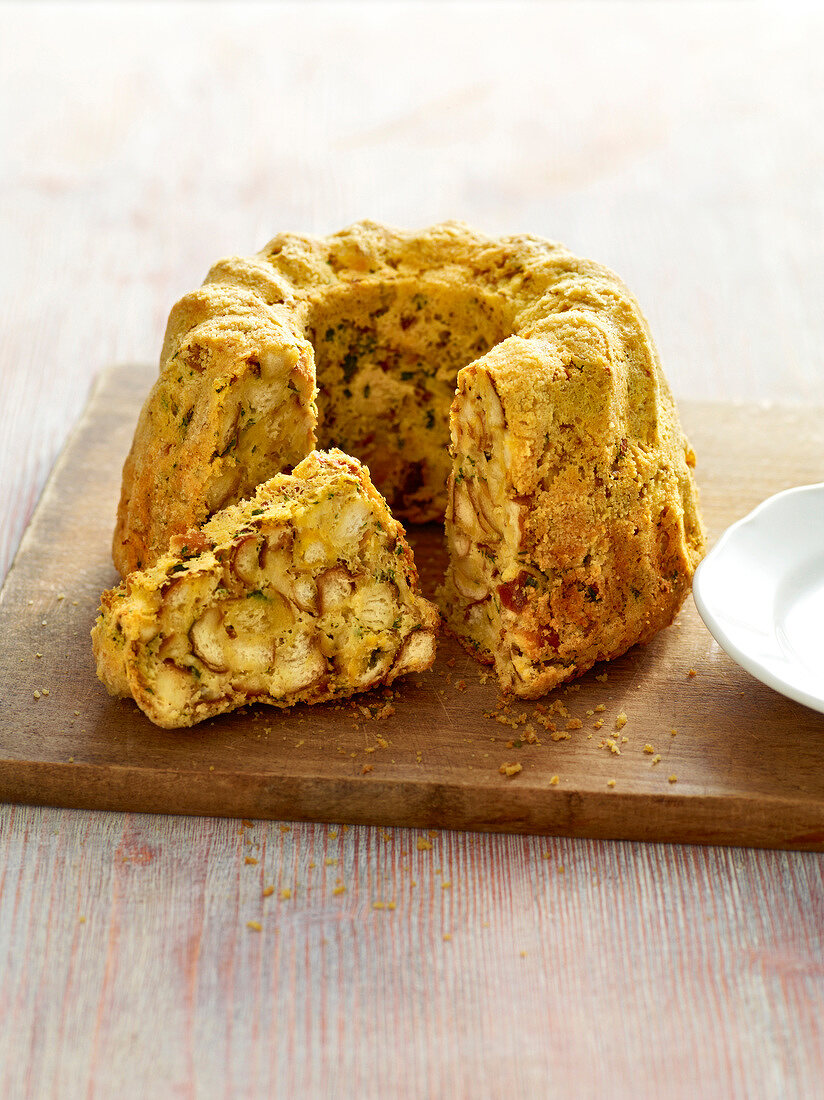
(306,591)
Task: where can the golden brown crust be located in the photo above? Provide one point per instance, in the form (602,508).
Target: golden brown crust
(573,525)
(305,592)
(580,509)
(233,405)
(381,320)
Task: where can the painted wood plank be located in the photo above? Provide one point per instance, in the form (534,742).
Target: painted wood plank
(559,965)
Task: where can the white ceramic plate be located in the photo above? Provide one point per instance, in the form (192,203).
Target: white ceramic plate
(760,591)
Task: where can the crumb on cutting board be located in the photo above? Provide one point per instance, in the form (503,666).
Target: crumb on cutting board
(509,770)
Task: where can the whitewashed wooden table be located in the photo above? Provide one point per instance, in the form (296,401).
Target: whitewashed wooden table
(680,144)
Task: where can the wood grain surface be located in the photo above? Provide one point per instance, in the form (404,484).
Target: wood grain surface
(617,771)
(679,143)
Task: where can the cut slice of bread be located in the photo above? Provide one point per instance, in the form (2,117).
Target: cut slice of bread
(306,591)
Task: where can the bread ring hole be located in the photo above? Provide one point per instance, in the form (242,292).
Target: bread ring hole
(387,355)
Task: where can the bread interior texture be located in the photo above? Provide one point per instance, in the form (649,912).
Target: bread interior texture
(387,357)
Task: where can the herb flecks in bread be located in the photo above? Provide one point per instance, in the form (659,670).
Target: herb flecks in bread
(307,591)
(505,382)
(572,520)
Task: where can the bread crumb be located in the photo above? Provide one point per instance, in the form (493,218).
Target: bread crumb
(673,733)
(597,725)
(673,778)
(554,781)
(546,855)
(285,828)
(620,721)
(602,678)
(333,833)
(36,694)
(81,920)
(423,845)
(331,861)
(561,869)
(255,925)
(251,861)
(649,749)
(600,708)
(610,782)
(367,768)
(447,936)
(656,759)
(339,890)
(691,674)
(574,724)
(523,954)
(285,894)
(268,891)
(510,769)
(446,885)
(613,748)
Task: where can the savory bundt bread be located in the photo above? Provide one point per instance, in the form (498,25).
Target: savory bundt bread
(571,511)
(307,591)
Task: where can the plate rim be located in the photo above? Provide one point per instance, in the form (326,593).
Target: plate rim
(745,660)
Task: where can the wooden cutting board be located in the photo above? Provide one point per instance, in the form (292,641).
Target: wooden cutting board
(747,764)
